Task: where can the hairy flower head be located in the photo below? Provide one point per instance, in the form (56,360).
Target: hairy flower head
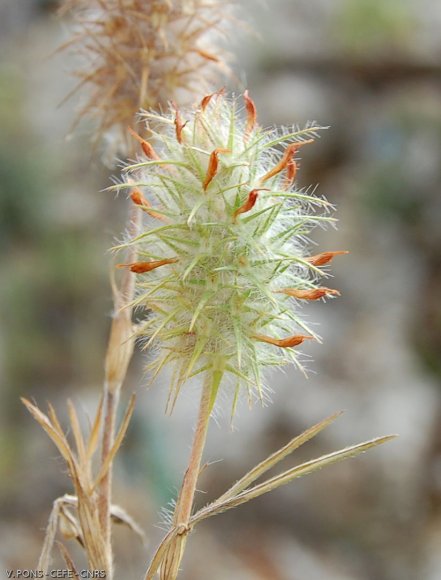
(224,265)
(141,54)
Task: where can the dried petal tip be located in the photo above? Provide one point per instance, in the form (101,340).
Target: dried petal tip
(287,162)
(179,125)
(213,165)
(143,267)
(313,294)
(325,257)
(137,198)
(251,113)
(249,203)
(291,172)
(288,342)
(206,100)
(148,150)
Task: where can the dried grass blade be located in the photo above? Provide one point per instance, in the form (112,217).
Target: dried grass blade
(278,456)
(68,559)
(49,538)
(159,554)
(94,436)
(118,440)
(76,429)
(57,437)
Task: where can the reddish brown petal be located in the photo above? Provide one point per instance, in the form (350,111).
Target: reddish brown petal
(137,198)
(179,125)
(249,203)
(291,172)
(149,152)
(288,342)
(313,294)
(142,267)
(213,165)
(251,113)
(325,257)
(205,101)
(283,163)
(286,160)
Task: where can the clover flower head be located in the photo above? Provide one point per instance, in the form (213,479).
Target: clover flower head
(223,260)
(136,54)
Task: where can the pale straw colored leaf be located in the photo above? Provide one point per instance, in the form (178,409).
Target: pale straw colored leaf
(54,433)
(95,431)
(118,440)
(76,430)
(160,553)
(287,476)
(278,456)
(68,559)
(49,539)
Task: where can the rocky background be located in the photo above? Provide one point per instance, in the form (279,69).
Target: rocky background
(371,70)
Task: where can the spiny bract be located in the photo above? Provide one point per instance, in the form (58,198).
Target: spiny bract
(141,54)
(222,258)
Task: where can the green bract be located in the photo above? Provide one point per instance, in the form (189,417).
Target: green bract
(222,256)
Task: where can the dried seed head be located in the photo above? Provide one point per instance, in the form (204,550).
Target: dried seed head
(140,54)
(224,304)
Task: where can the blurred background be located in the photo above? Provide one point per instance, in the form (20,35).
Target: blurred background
(371,70)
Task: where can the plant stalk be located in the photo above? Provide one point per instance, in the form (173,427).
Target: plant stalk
(173,556)
(188,489)
(118,356)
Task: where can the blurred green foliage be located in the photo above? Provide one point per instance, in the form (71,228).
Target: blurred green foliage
(365,26)
(51,329)
(23,186)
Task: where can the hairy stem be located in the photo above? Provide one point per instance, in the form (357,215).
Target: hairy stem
(173,555)
(188,489)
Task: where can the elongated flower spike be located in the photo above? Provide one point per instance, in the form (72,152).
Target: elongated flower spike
(222,302)
(140,55)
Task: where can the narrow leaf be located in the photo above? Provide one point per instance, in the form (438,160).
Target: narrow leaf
(215,384)
(76,430)
(278,456)
(159,554)
(44,422)
(287,477)
(118,440)
(95,431)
